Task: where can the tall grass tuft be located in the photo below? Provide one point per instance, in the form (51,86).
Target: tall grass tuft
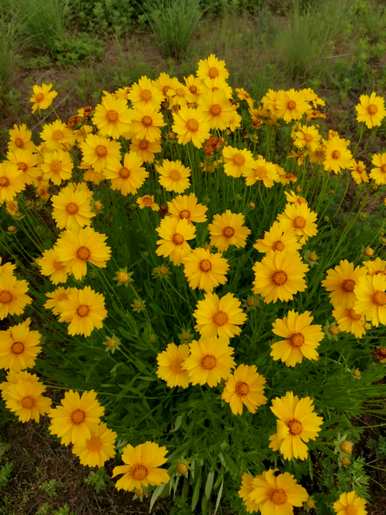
(173,23)
(7,53)
(43,22)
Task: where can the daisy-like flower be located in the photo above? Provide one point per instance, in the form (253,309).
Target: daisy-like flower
(145,93)
(190,125)
(57,136)
(350,321)
(12,181)
(228,229)
(219,316)
(359,173)
(174,236)
(370,298)
(300,219)
(337,156)
(76,417)
(26,161)
(205,270)
(112,116)
(78,247)
(307,137)
(261,170)
(13,295)
(72,206)
(147,201)
(99,153)
(128,177)
(170,365)
(187,207)
(145,149)
(98,448)
(42,96)
(297,424)
(146,123)
(291,105)
(349,503)
(209,361)
(341,281)
(83,309)
(277,239)
(24,397)
(216,109)
(195,88)
(211,69)
(57,166)
(173,175)
(301,338)
(378,173)
(237,162)
(142,467)
(245,387)
(371,110)
(51,266)
(20,137)
(279,276)
(19,346)
(244,492)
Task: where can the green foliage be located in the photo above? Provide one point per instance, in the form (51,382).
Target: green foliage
(5,474)
(98,480)
(8,53)
(72,49)
(50,487)
(42,22)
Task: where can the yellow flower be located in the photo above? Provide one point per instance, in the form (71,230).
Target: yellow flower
(145,149)
(128,177)
(244,492)
(19,346)
(340,283)
(261,170)
(228,229)
(300,219)
(349,320)
(42,96)
(190,125)
(245,387)
(147,201)
(209,361)
(77,247)
(297,424)
(370,298)
(194,89)
(20,137)
(26,161)
(57,136)
(76,417)
(337,154)
(173,175)
(291,105)
(205,270)
(279,276)
(99,152)
(349,503)
(83,309)
(375,266)
(51,266)
(142,467)
(174,236)
(277,239)
(123,277)
(300,338)
(211,69)
(72,206)
(145,93)
(306,136)
(12,181)
(112,343)
(275,494)
(216,109)
(146,123)
(378,173)
(219,316)
(371,110)
(187,207)
(112,116)
(237,162)
(57,166)
(170,365)
(13,295)
(358,172)
(97,448)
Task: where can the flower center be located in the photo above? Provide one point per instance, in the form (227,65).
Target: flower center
(147,121)
(279,496)
(178,239)
(335,154)
(208,362)
(297,340)
(101,151)
(228,231)
(139,472)
(348,285)
(372,109)
(278,245)
(94,444)
(72,208)
(28,402)
(58,265)
(260,171)
(220,318)
(308,138)
(295,427)
(205,265)
(145,95)
(19,143)
(4,182)
(55,166)
(351,510)
(124,173)
(17,348)
(39,97)
(279,278)
(242,389)
(57,134)
(185,213)
(143,144)
(112,116)
(215,109)
(193,89)
(291,105)
(238,160)
(174,175)
(383,168)
(213,72)
(5,297)
(379,298)
(23,167)
(299,222)
(83,310)
(192,125)
(83,253)
(78,416)
(176,366)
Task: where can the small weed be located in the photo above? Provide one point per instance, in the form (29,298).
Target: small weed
(99,480)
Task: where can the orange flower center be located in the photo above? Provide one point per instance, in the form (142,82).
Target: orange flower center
(296,340)
(372,109)
(379,298)
(242,389)
(147,200)
(260,171)
(124,173)
(383,168)
(19,143)
(238,160)
(28,402)
(220,318)
(58,265)
(351,510)
(139,472)
(4,182)
(295,427)
(228,231)
(174,175)
(291,105)
(299,222)
(335,154)
(215,109)
(351,314)
(348,285)
(72,208)
(39,97)
(23,167)
(83,253)
(205,265)
(308,138)
(208,362)
(147,121)
(185,213)
(145,95)
(213,72)
(17,347)
(5,297)
(143,144)
(83,310)
(176,366)
(193,89)
(78,416)
(279,278)
(57,135)
(112,116)
(94,444)
(278,245)
(278,496)
(101,151)
(55,166)
(192,125)
(178,239)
